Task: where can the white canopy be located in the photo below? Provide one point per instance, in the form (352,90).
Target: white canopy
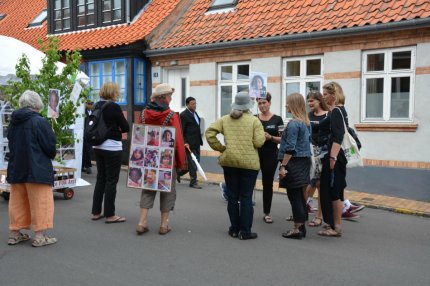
(12,50)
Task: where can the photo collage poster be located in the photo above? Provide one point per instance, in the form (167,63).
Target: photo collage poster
(151,157)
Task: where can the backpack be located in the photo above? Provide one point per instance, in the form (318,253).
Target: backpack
(96,130)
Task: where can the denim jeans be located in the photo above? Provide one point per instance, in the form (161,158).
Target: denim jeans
(108,169)
(240,185)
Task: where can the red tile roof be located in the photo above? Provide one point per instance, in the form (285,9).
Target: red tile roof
(21,13)
(268,18)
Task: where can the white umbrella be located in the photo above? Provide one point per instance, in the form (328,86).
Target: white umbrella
(12,50)
(199,168)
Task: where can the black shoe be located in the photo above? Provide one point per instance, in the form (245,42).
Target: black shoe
(251,235)
(302,229)
(178,178)
(292,235)
(89,171)
(233,233)
(195,186)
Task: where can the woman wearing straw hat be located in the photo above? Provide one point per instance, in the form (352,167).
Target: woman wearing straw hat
(158,112)
(243,135)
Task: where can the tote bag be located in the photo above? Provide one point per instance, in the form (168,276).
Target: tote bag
(350,148)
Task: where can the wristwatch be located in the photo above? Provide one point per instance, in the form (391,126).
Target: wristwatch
(333,158)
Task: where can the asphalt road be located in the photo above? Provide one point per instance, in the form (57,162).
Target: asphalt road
(382,248)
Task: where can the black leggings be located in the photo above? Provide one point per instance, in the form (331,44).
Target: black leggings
(298,204)
(268,164)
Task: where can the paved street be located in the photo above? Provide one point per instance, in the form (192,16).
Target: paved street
(382,248)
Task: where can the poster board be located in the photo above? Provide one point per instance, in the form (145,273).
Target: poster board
(152,155)
(258,85)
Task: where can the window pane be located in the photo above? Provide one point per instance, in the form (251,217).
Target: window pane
(227,73)
(313,67)
(81,10)
(90,8)
(402,60)
(242,88)
(107,68)
(81,2)
(66,13)
(400,92)
(374,97)
(121,97)
(57,4)
(94,69)
(67,24)
(106,79)
(90,19)
(117,15)
(119,67)
(312,86)
(183,91)
(139,95)
(57,25)
(81,21)
(375,62)
(66,4)
(117,4)
(106,5)
(243,72)
(95,82)
(107,16)
(292,87)
(293,68)
(226,99)
(120,80)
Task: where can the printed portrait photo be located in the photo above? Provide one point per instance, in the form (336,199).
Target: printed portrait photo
(137,156)
(135,177)
(152,157)
(152,136)
(257,85)
(168,137)
(138,135)
(164,181)
(150,179)
(54,103)
(166,158)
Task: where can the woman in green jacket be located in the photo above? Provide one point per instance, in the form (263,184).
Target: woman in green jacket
(243,135)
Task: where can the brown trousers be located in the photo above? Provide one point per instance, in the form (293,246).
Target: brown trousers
(31,205)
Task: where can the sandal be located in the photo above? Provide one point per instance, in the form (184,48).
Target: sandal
(164,230)
(330,232)
(140,229)
(268,219)
(317,221)
(17,239)
(44,240)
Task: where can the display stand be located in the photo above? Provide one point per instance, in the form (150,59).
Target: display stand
(67,174)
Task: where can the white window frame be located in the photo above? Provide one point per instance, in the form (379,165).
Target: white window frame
(302,79)
(234,82)
(387,74)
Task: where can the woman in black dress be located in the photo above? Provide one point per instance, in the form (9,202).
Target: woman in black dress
(268,153)
(333,175)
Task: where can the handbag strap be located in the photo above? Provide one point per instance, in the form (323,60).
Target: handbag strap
(343,119)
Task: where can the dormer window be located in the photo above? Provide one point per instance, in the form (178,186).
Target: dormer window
(38,21)
(222,4)
(112,11)
(62,15)
(2,16)
(86,14)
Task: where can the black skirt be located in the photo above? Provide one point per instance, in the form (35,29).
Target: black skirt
(298,169)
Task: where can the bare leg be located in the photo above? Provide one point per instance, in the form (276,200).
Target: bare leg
(164,219)
(143,217)
(337,214)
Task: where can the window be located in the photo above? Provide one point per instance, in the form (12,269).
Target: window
(222,5)
(388,77)
(62,15)
(139,82)
(111,11)
(85,12)
(108,71)
(39,19)
(301,75)
(233,78)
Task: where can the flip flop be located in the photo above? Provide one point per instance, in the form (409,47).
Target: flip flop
(268,219)
(97,217)
(117,220)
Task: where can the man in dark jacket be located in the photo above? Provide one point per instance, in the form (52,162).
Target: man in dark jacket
(86,149)
(190,122)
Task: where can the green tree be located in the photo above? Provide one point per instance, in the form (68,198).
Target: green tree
(50,78)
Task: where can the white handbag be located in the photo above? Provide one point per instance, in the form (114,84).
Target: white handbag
(350,148)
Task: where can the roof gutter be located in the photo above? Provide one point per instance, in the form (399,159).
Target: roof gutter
(376,28)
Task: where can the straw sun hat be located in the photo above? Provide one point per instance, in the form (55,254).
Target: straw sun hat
(161,89)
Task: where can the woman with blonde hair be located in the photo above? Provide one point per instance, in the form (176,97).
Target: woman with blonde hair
(333,175)
(294,154)
(108,155)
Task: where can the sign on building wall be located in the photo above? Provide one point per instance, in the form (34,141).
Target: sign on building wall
(151,157)
(258,84)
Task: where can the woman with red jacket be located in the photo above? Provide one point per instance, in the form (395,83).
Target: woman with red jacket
(156,113)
